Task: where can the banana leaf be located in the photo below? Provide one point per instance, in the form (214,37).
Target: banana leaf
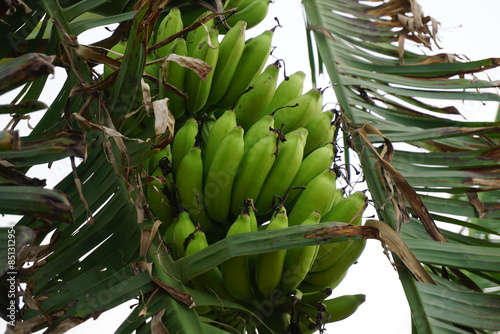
(423,167)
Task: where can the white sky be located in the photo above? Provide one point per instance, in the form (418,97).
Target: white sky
(467,27)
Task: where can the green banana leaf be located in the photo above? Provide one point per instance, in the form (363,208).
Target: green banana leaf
(446,171)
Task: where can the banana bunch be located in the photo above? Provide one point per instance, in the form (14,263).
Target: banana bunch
(250,153)
(223,180)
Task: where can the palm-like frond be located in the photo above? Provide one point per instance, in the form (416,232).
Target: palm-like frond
(447,171)
(93,260)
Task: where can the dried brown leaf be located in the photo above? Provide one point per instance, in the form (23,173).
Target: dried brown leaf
(200,67)
(477,204)
(164,120)
(25,68)
(79,188)
(147,237)
(402,185)
(374,229)
(146,96)
(343,229)
(157,326)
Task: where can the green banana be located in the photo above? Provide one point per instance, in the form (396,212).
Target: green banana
(181,231)
(189,184)
(318,196)
(328,137)
(251,105)
(282,173)
(212,279)
(195,38)
(253,170)
(220,177)
(332,274)
(287,90)
(236,270)
(319,128)
(347,210)
(197,89)
(253,12)
(220,130)
(312,165)
(230,50)
(307,287)
(314,317)
(197,242)
(269,266)
(249,208)
(184,139)
(342,307)
(169,25)
(168,236)
(189,179)
(298,260)
(258,131)
(172,80)
(251,63)
(297,112)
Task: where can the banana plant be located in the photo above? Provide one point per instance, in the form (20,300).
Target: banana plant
(109,250)
(447,169)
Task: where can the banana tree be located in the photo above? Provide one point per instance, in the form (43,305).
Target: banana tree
(109,251)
